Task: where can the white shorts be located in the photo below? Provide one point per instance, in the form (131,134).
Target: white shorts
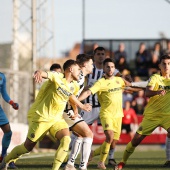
(70,121)
(90,117)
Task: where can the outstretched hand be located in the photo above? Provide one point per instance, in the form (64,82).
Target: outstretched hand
(37,76)
(87,107)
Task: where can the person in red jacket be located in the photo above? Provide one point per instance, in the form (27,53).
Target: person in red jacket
(129,118)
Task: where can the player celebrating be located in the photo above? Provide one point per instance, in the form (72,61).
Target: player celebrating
(4,123)
(157,111)
(47,110)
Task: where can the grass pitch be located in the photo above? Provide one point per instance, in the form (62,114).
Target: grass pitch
(140,160)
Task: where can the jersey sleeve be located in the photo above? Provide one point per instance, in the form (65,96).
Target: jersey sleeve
(54,76)
(4,93)
(152,80)
(96,87)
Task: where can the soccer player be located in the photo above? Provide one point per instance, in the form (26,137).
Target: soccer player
(47,110)
(157,111)
(4,123)
(109,90)
(89,118)
(84,135)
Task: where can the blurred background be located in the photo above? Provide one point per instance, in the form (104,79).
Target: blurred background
(36,33)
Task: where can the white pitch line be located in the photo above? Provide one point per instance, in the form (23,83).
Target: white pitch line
(37,156)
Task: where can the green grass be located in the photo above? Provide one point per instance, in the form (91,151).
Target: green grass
(140,160)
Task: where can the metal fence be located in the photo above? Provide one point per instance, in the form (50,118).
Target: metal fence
(19,89)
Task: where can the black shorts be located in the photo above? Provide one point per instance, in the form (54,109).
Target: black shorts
(126,127)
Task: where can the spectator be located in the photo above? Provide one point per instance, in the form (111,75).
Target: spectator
(141,61)
(122,66)
(120,52)
(139,102)
(157,50)
(153,65)
(129,118)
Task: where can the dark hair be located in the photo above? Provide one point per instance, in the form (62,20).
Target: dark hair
(165,56)
(82,58)
(107,60)
(69,63)
(55,66)
(99,48)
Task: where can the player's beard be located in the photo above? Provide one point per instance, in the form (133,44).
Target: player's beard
(109,74)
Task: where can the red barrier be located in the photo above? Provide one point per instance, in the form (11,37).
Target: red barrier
(157,137)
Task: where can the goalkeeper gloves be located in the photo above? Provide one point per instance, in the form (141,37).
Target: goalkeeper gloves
(14,105)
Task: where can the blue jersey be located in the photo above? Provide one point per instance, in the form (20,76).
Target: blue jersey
(5,96)
(3,91)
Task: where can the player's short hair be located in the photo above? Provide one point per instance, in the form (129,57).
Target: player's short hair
(55,66)
(83,58)
(165,56)
(69,63)
(98,48)
(107,60)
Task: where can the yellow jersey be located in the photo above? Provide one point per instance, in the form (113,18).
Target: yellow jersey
(109,93)
(158,105)
(52,98)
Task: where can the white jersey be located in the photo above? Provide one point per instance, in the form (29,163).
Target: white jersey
(68,112)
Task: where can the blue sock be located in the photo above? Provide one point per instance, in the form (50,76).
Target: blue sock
(5,142)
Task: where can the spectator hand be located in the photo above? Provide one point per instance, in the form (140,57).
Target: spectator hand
(14,105)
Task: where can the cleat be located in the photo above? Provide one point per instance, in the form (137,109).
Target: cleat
(69,167)
(112,162)
(3,165)
(101,165)
(166,164)
(12,165)
(119,166)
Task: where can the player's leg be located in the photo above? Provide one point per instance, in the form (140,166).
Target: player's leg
(167,143)
(165,125)
(84,143)
(111,160)
(61,132)
(35,132)
(145,129)
(7,133)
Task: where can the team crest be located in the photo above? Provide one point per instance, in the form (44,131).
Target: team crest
(0,78)
(117,82)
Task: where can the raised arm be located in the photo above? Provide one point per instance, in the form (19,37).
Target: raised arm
(39,75)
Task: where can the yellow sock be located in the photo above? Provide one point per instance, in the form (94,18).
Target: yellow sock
(104,151)
(97,151)
(61,152)
(17,152)
(128,151)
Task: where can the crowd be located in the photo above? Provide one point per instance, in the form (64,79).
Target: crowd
(109,97)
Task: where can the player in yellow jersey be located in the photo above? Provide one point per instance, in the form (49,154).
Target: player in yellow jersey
(109,90)
(47,114)
(157,111)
